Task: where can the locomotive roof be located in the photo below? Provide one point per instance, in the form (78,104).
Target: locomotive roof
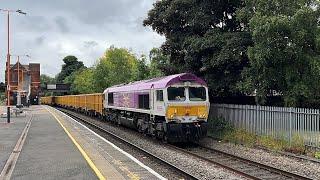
(157,83)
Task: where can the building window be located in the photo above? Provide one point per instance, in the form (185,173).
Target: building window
(110,98)
(159,95)
(144,101)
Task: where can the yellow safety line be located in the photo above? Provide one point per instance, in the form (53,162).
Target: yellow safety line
(84,154)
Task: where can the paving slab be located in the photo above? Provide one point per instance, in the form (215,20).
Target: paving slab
(10,133)
(57,147)
(113,162)
(47,153)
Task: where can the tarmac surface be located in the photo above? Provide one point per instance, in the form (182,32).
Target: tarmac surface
(44,143)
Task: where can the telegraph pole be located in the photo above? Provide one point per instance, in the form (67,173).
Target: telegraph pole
(8,11)
(8,60)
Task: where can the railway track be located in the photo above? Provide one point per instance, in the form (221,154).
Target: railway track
(183,173)
(242,166)
(238,165)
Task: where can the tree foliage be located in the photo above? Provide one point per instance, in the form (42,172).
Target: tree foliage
(117,66)
(203,37)
(71,64)
(285,55)
(158,63)
(83,81)
(143,70)
(45,79)
(2,87)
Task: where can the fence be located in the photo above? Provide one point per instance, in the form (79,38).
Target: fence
(279,122)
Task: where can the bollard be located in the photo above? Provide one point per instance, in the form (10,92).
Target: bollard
(8,114)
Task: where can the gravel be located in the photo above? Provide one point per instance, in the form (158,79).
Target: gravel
(290,164)
(198,168)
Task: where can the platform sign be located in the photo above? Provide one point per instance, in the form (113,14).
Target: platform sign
(57,88)
(51,86)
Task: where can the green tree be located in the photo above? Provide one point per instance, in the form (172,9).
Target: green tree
(2,98)
(117,66)
(285,55)
(143,70)
(82,83)
(2,87)
(158,63)
(45,79)
(71,64)
(203,37)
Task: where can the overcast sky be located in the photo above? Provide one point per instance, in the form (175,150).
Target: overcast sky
(53,29)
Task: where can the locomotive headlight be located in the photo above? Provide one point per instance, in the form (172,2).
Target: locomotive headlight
(202,112)
(171,112)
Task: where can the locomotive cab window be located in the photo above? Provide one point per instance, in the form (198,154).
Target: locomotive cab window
(110,98)
(176,94)
(159,95)
(197,94)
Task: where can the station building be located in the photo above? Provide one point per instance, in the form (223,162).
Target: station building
(24,80)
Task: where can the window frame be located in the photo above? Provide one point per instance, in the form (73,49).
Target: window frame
(184,93)
(144,101)
(159,95)
(110,96)
(205,93)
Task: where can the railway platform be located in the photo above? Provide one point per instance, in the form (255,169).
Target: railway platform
(47,144)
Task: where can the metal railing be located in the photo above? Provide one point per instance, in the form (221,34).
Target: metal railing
(278,122)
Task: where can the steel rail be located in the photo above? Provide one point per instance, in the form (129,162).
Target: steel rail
(73,115)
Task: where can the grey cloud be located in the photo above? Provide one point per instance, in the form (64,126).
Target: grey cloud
(90,44)
(62,24)
(39,40)
(53,29)
(32,23)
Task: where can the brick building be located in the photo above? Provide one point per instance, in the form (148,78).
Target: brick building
(26,80)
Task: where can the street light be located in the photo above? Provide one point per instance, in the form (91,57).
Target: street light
(8,11)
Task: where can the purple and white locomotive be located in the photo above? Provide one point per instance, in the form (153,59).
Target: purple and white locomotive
(174,108)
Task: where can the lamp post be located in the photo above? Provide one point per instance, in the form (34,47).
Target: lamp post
(8,11)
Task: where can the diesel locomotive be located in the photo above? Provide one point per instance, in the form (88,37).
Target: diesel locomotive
(173,108)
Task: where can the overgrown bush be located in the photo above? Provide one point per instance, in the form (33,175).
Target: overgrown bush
(240,136)
(317,155)
(219,127)
(272,143)
(297,145)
